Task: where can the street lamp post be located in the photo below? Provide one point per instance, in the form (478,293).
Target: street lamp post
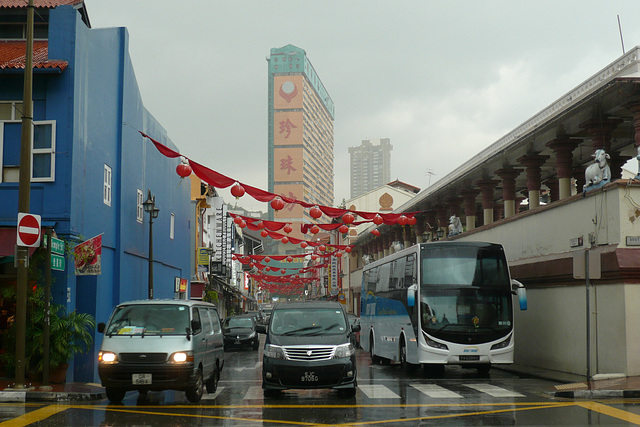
(150,207)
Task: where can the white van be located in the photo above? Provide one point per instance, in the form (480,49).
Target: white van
(161,345)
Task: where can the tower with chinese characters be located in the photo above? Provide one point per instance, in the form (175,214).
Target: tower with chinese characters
(300,152)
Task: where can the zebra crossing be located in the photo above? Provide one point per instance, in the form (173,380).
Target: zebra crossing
(380,391)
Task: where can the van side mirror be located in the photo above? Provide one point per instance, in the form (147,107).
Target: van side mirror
(355,328)
(195,326)
(101,327)
(261,329)
(411,295)
(518,289)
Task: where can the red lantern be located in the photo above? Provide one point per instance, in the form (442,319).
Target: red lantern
(375,232)
(285,239)
(348,218)
(338,254)
(237,220)
(267,259)
(315,212)
(260,225)
(303,245)
(412,220)
(314,257)
(184,170)
(283,271)
(322,248)
(377,220)
(237,191)
(347,249)
(314,229)
(289,259)
(277,204)
(343,229)
(403,220)
(242,224)
(264,233)
(267,268)
(287,229)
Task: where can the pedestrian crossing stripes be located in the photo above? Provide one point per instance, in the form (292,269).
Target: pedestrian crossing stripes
(379,391)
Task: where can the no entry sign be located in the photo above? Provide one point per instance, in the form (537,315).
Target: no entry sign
(28,230)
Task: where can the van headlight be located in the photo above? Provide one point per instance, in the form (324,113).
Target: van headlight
(107,358)
(273,351)
(344,350)
(181,357)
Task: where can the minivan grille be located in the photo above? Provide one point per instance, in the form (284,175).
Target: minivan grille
(308,353)
(143,357)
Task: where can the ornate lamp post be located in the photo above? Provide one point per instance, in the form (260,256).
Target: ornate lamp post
(150,207)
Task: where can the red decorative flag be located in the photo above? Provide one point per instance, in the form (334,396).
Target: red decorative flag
(88,256)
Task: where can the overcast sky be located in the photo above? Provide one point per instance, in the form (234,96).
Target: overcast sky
(441,79)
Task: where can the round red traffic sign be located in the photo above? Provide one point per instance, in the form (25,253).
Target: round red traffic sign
(28,230)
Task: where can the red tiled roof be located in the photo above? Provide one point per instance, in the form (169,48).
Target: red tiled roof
(12,55)
(38,3)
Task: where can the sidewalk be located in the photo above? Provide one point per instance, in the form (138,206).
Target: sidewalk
(577,387)
(35,392)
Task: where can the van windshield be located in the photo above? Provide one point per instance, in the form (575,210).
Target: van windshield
(307,322)
(149,319)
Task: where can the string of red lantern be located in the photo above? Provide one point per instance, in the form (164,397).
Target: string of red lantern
(218,180)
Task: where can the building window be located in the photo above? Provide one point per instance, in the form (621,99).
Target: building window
(106,193)
(139,207)
(172,226)
(43,151)
(11,110)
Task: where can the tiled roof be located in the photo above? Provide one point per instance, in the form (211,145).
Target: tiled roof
(12,55)
(38,3)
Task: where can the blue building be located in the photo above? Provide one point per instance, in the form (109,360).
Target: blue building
(92,168)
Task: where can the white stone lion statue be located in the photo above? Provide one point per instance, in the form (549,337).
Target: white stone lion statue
(455,226)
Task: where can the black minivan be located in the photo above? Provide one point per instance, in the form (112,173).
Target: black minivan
(308,345)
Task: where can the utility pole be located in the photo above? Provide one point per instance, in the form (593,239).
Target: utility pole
(24,201)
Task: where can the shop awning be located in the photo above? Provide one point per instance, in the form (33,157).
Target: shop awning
(8,242)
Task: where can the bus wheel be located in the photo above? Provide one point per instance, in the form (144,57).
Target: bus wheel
(409,367)
(374,359)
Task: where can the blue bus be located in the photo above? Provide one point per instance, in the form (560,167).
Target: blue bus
(440,303)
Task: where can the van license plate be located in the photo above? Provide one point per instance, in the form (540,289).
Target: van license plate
(140,379)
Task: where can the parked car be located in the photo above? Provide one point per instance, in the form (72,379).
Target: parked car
(355,336)
(161,345)
(240,331)
(308,345)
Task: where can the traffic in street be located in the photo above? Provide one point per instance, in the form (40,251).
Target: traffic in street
(386,395)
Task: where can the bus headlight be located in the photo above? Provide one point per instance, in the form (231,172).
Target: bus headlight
(344,350)
(435,344)
(107,358)
(273,351)
(501,344)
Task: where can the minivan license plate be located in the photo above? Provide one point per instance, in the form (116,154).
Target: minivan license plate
(140,379)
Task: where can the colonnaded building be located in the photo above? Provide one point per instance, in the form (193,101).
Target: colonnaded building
(525,191)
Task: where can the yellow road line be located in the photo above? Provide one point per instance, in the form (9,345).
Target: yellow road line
(35,416)
(612,412)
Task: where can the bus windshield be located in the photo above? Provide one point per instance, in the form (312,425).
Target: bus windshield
(464,266)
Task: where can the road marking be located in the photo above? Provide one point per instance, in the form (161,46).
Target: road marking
(254,392)
(212,396)
(612,412)
(435,391)
(493,390)
(378,392)
(35,416)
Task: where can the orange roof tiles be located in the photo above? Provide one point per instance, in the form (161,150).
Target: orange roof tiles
(12,55)
(38,3)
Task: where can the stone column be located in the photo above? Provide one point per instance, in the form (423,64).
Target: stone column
(509,176)
(469,200)
(386,243)
(442,219)
(563,148)
(578,174)
(379,247)
(554,189)
(432,224)
(600,131)
(487,187)
(533,163)
(418,229)
(406,236)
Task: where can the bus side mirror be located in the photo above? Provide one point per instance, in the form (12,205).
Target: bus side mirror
(411,295)
(518,289)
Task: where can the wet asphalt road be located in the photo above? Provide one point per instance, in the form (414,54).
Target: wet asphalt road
(386,396)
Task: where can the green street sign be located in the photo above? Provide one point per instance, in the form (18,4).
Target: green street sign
(57,245)
(57,262)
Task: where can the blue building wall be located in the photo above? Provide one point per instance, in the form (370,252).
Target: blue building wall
(98,110)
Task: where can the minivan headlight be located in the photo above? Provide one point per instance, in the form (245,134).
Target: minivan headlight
(273,351)
(107,358)
(344,350)
(181,357)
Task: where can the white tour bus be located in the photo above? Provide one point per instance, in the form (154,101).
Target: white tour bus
(440,303)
